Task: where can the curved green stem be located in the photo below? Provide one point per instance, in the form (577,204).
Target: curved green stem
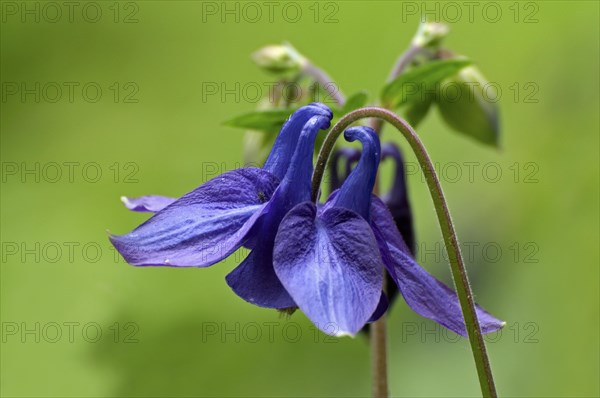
(457,266)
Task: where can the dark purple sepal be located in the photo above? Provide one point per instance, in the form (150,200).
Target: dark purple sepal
(203,226)
(396,199)
(148,203)
(424,294)
(382,307)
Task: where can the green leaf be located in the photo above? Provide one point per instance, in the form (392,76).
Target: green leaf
(353,102)
(415,112)
(261,120)
(467,109)
(415,83)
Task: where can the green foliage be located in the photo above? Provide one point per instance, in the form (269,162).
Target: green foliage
(413,84)
(417,110)
(467,110)
(353,102)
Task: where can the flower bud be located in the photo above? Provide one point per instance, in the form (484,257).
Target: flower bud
(279,58)
(467,104)
(430,34)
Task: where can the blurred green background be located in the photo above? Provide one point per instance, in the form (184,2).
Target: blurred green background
(172,332)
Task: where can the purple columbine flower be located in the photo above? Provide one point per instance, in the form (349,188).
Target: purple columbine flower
(329,261)
(208,224)
(332,261)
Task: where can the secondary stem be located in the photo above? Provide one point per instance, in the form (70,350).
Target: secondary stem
(325,81)
(379,369)
(459,273)
(401,63)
